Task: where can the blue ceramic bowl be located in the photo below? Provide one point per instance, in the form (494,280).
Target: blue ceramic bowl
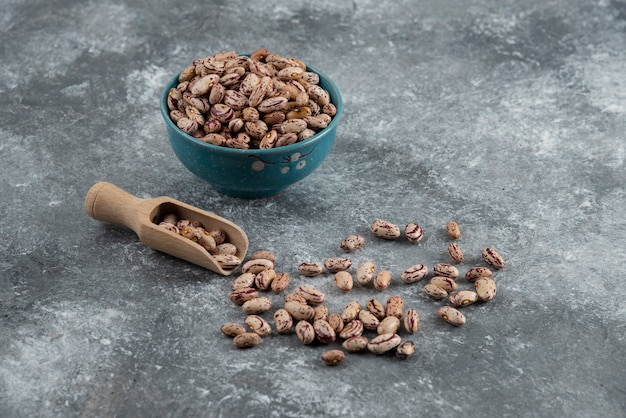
(253,173)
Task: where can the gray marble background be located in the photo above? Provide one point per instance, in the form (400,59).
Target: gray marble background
(508,116)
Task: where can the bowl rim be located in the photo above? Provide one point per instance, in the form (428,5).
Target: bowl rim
(335,96)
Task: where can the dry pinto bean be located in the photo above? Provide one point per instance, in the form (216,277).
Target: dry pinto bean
(434,291)
(257,305)
(365,272)
(405,350)
(390,324)
(451,315)
(411,321)
(244,280)
(300,311)
(355,344)
(321,312)
(227,261)
(247,339)
(394,306)
(243,294)
(305,332)
(453,230)
(350,311)
(493,258)
(335,264)
(485,288)
(292,297)
(258,325)
(384,229)
(225,248)
(413,232)
(376,308)
(414,273)
(232,329)
(446,283)
(280,282)
(344,281)
(333,357)
(383,343)
(382,280)
(256,265)
(283,321)
(335,321)
(352,242)
(370,322)
(475,272)
(461,298)
(324,332)
(310,269)
(310,294)
(455,252)
(446,270)
(263,279)
(263,254)
(353,328)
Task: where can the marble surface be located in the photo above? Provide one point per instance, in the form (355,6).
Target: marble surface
(507,116)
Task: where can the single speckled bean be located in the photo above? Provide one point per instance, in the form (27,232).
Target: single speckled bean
(446,283)
(451,315)
(350,311)
(247,339)
(305,332)
(324,332)
(384,229)
(292,297)
(390,324)
(383,343)
(280,283)
(453,230)
(258,325)
(434,291)
(321,312)
(256,265)
(461,298)
(227,261)
(300,311)
(352,242)
(355,344)
(370,322)
(411,321)
(382,280)
(394,306)
(257,305)
(310,269)
(344,281)
(485,288)
(413,232)
(376,308)
(335,321)
(263,254)
(311,294)
(333,357)
(283,321)
(335,264)
(493,258)
(475,272)
(414,273)
(455,252)
(353,328)
(243,294)
(365,272)
(244,280)
(232,329)
(446,270)
(405,350)
(225,248)
(263,279)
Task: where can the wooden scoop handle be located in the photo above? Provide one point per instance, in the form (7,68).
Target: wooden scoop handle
(107,202)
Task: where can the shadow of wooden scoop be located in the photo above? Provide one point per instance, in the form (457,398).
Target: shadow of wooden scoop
(108,203)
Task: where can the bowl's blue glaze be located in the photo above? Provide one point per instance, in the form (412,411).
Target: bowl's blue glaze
(253,173)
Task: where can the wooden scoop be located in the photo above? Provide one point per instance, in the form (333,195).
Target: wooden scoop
(107,202)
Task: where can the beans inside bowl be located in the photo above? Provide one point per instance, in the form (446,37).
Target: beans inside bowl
(251,125)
